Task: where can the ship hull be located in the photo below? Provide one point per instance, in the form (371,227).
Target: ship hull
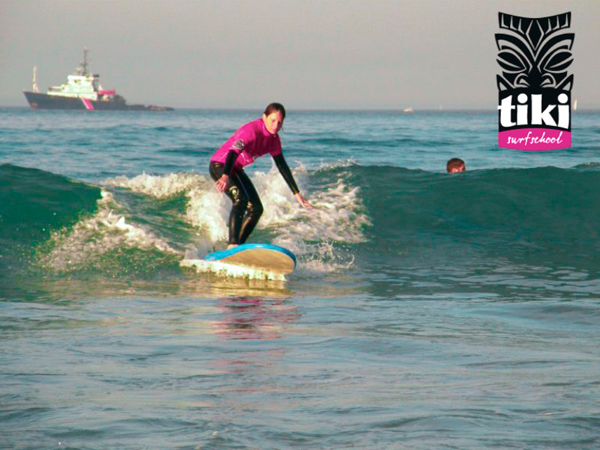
(38,100)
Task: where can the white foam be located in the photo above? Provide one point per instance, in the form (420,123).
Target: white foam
(228,270)
(208,211)
(91,237)
(325,166)
(323,258)
(338,217)
(158,186)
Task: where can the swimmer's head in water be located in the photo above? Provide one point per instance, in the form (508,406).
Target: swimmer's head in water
(456,165)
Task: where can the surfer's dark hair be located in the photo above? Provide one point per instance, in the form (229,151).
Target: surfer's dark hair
(275,107)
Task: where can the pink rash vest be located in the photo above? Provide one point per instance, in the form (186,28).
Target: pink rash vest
(250,142)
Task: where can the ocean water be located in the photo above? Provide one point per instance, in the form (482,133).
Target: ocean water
(429,311)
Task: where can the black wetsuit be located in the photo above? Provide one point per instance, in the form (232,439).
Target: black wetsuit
(247,207)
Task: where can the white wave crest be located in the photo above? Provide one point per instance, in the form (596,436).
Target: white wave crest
(338,217)
(208,210)
(158,186)
(97,235)
(336,165)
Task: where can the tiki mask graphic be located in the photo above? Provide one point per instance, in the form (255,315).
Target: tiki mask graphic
(535,86)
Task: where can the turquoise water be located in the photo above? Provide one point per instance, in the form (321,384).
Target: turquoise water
(428,310)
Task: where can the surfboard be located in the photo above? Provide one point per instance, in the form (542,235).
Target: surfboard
(265,257)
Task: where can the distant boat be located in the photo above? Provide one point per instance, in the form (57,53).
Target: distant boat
(575,105)
(82,91)
(408,110)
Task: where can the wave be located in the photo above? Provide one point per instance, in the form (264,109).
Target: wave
(309,234)
(540,216)
(34,203)
(365,218)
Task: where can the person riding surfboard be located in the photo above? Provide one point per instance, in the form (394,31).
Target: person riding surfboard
(226,167)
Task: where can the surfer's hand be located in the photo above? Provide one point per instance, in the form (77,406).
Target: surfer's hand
(222,183)
(303,201)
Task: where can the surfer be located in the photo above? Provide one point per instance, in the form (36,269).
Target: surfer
(455,165)
(254,139)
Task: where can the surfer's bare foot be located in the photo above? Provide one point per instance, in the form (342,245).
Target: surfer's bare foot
(230,246)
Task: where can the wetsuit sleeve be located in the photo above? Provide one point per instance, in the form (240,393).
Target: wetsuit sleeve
(285,171)
(229,162)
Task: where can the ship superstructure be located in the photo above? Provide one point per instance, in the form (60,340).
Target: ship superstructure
(81,91)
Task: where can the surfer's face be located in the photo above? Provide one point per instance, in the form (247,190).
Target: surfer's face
(273,122)
(458,169)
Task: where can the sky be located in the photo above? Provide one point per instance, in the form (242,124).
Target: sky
(306,54)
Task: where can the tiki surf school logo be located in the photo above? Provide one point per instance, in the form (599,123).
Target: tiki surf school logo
(534,106)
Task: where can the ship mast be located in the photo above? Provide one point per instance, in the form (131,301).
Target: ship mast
(34,86)
(82,69)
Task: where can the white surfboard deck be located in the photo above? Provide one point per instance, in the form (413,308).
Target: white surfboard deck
(264,257)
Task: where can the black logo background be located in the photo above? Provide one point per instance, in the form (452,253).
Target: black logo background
(534,55)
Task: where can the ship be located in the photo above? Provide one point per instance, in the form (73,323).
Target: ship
(82,91)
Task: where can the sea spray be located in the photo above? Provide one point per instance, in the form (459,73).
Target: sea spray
(104,242)
(33,204)
(158,186)
(338,217)
(207,211)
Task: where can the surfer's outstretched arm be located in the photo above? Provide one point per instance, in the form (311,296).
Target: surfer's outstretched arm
(286,173)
